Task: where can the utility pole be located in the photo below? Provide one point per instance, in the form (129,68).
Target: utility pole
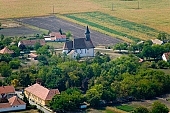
(53,9)
(138,4)
(112,6)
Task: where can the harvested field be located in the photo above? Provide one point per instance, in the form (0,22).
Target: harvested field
(54,24)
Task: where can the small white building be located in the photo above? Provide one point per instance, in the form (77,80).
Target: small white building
(14,104)
(166,56)
(80,46)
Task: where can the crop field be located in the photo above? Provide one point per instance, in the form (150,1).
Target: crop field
(115,26)
(138,18)
(54,24)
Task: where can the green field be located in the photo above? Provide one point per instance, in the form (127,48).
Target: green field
(115,26)
(126,108)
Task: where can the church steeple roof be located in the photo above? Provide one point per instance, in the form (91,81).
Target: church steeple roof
(87,30)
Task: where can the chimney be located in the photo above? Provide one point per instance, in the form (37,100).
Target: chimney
(87,34)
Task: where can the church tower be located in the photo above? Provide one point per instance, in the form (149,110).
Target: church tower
(87,34)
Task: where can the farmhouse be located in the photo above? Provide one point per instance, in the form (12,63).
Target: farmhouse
(5,50)
(55,36)
(166,56)
(157,41)
(7,91)
(30,43)
(40,94)
(13,104)
(82,47)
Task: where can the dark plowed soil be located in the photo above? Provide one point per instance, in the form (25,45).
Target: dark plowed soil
(54,24)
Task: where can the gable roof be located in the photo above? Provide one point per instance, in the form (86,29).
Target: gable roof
(78,43)
(157,41)
(32,42)
(7,89)
(14,101)
(32,55)
(167,55)
(5,50)
(42,92)
(57,35)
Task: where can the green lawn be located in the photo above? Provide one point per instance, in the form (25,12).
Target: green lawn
(56,45)
(127,108)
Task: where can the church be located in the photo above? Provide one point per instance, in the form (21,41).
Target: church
(82,47)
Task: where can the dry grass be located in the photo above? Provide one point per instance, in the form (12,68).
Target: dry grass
(27,8)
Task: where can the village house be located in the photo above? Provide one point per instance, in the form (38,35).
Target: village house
(40,94)
(55,37)
(5,50)
(13,104)
(33,56)
(30,43)
(166,56)
(157,41)
(7,91)
(82,47)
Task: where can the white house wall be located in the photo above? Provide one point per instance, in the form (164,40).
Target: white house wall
(13,108)
(164,58)
(85,52)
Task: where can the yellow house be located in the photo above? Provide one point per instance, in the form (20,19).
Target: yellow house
(40,94)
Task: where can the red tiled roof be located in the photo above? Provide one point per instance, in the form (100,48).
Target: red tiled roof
(6,50)
(57,35)
(14,101)
(42,92)
(7,89)
(167,55)
(32,55)
(5,105)
(32,42)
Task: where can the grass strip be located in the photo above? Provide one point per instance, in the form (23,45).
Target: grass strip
(106,29)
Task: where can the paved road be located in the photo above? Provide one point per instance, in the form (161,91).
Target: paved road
(42,108)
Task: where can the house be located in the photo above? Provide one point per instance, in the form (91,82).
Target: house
(80,46)
(55,36)
(33,56)
(40,94)
(30,43)
(7,91)
(157,41)
(5,50)
(166,56)
(13,104)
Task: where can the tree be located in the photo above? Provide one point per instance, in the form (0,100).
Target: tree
(43,50)
(68,35)
(5,69)
(6,41)
(37,45)
(158,107)
(141,110)
(14,64)
(68,100)
(15,49)
(60,31)
(15,82)
(162,36)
